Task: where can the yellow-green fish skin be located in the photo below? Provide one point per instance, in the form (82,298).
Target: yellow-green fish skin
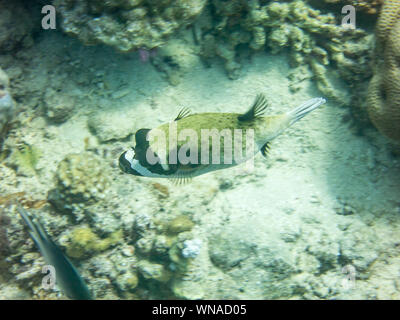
(182,133)
(265,129)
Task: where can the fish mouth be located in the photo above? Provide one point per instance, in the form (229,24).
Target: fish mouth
(121,167)
(124,164)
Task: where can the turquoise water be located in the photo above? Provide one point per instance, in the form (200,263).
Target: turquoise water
(313,216)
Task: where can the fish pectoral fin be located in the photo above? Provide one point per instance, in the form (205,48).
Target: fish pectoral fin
(256,110)
(185,173)
(265,149)
(183,113)
(182,180)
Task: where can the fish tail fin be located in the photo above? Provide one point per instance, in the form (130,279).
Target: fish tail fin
(68,279)
(298,113)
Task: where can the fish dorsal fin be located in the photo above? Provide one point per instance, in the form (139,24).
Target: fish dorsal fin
(265,149)
(141,138)
(184,174)
(256,110)
(183,113)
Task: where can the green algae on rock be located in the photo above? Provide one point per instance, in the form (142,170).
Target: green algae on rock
(180,224)
(80,178)
(25,159)
(83,242)
(312,38)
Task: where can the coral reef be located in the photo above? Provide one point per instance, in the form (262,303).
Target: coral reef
(58,107)
(166,249)
(137,238)
(16,26)
(25,159)
(175,59)
(83,242)
(180,224)
(368,6)
(80,179)
(126,25)
(228,30)
(383,100)
(154,271)
(313,39)
(7,105)
(191,248)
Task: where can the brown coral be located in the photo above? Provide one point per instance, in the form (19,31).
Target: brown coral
(384,90)
(389,14)
(126,24)
(368,6)
(16,26)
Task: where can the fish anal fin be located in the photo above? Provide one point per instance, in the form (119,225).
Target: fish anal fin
(256,110)
(183,113)
(265,149)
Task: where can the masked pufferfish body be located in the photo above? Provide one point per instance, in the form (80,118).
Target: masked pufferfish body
(188,153)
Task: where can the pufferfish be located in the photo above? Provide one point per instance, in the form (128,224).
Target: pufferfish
(195,144)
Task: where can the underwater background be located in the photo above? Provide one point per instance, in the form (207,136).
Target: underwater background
(319,218)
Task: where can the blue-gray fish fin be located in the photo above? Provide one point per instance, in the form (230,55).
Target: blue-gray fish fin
(256,110)
(35,232)
(38,234)
(68,277)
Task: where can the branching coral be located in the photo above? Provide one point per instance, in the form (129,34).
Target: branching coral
(312,38)
(126,24)
(384,89)
(367,6)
